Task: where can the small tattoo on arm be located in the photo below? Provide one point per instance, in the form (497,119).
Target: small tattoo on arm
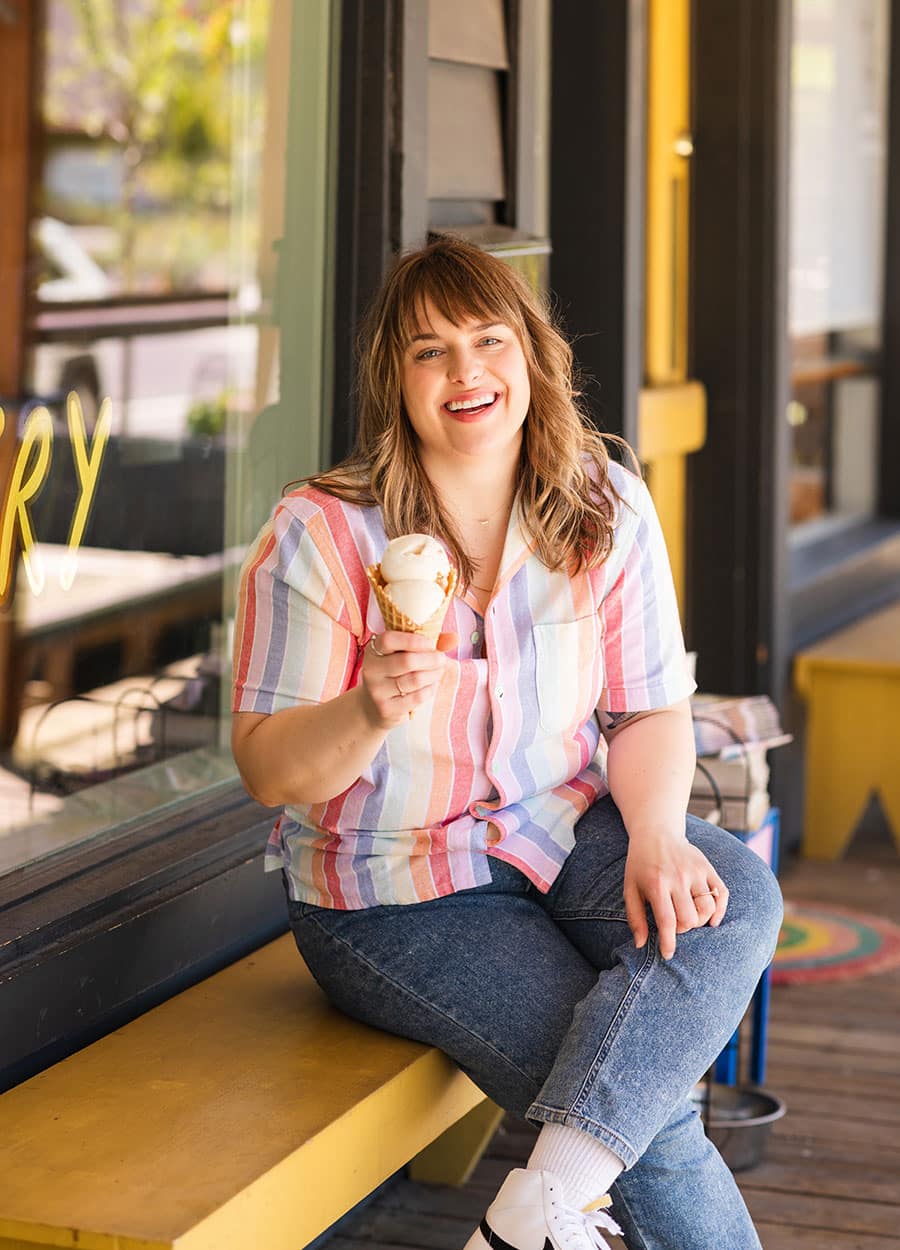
(615,720)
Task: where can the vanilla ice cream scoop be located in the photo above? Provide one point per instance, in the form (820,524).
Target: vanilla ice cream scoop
(414,557)
(417,600)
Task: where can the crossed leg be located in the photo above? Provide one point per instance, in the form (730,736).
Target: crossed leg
(545,1002)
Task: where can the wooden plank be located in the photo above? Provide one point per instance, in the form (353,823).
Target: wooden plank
(825,1038)
(786,1081)
(871,1109)
(879,1007)
(789,1237)
(465,1202)
(413,1228)
(820,1211)
(831,1061)
(824,1154)
(850,1178)
(864,1132)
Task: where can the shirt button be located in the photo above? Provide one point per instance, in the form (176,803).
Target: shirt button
(499,692)
(475,636)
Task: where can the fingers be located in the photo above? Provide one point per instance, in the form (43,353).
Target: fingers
(676,910)
(666,924)
(401,671)
(705,904)
(721,897)
(394,640)
(636,913)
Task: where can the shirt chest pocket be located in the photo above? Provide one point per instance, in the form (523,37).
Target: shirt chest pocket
(568,672)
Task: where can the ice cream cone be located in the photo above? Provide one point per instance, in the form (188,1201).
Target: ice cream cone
(395,619)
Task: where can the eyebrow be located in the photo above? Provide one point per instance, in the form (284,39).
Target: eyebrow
(484,325)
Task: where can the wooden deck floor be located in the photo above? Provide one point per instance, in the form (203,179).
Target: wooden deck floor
(831,1176)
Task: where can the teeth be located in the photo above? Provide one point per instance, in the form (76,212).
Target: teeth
(457,405)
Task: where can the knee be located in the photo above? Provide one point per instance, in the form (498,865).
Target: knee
(755,906)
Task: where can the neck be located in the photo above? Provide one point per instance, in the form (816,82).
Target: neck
(475,489)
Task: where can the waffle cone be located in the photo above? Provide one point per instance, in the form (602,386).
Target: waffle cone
(395,619)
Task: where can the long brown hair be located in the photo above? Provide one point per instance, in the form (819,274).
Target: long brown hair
(565,497)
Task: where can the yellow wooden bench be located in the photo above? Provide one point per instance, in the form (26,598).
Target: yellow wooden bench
(243,1113)
(851,684)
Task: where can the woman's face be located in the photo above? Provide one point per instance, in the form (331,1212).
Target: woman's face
(466,388)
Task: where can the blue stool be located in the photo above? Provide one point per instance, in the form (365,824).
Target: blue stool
(726,1066)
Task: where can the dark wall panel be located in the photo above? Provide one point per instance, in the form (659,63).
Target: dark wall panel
(736,495)
(596,198)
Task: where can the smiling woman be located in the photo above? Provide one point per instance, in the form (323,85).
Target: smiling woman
(527,827)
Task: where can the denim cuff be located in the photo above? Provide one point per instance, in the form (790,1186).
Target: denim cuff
(537,1113)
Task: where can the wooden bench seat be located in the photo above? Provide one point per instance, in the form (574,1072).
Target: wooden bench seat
(851,684)
(243,1114)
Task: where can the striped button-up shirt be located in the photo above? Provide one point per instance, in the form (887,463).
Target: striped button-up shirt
(508,755)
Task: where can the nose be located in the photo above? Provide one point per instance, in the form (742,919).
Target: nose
(463,366)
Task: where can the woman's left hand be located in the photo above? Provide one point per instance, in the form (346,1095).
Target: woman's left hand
(680,884)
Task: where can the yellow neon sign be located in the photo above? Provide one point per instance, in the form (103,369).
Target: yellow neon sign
(30,470)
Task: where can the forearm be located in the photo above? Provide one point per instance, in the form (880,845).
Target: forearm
(311,753)
(650,770)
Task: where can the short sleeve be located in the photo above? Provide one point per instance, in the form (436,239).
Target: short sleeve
(291,644)
(643,645)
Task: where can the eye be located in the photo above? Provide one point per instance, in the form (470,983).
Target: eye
(490,341)
(428,354)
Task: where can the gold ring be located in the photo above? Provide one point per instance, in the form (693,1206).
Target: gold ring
(400,690)
(704,893)
(381,654)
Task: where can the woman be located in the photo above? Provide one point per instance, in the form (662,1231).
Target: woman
(509,873)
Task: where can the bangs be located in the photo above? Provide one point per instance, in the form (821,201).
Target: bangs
(458,291)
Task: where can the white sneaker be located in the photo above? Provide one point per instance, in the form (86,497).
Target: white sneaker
(529,1213)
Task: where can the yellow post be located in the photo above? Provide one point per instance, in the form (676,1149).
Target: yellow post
(671,412)
(668,203)
(671,424)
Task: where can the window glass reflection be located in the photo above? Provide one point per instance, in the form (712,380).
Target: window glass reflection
(143,356)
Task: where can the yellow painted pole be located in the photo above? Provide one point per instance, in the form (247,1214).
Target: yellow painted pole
(668,198)
(668,402)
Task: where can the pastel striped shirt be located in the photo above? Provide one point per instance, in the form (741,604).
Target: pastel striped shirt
(509,754)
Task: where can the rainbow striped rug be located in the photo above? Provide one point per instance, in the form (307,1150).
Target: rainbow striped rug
(819,943)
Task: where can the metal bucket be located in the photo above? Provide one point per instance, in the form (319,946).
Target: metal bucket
(738,1121)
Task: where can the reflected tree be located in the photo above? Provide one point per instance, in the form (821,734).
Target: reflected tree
(155,79)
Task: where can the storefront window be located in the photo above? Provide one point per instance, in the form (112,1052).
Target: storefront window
(178,238)
(837,223)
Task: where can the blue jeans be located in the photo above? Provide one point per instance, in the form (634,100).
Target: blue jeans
(546,1003)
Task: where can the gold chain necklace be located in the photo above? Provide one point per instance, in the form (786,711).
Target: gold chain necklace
(496,512)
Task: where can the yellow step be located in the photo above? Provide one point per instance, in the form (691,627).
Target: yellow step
(244,1112)
(851,684)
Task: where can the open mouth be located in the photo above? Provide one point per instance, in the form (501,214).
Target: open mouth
(471,409)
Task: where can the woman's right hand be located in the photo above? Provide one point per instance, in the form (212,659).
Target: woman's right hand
(400,672)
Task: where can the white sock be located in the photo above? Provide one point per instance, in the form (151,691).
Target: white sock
(585,1167)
